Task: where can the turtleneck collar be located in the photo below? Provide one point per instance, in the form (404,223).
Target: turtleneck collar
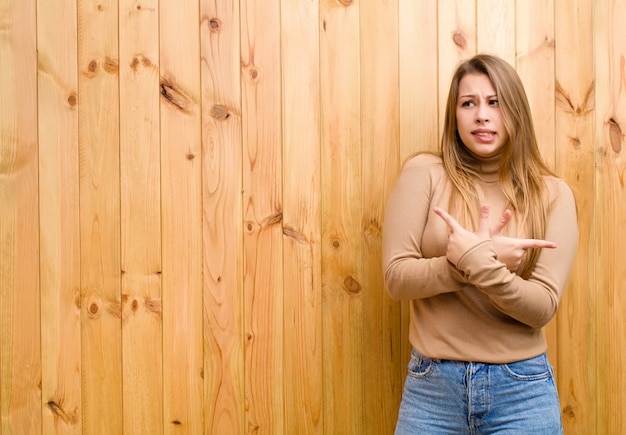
(488,167)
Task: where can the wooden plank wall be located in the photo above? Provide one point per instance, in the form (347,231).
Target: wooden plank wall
(192,193)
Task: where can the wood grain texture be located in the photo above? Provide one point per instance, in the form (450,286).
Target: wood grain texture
(342,208)
(59,221)
(140,210)
(263,217)
(382,345)
(222,218)
(191,197)
(300,34)
(575,88)
(98,117)
(181,214)
(498,37)
(20,351)
(610,124)
(418,80)
(535,51)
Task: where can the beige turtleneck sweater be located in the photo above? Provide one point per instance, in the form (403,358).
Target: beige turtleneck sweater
(479,310)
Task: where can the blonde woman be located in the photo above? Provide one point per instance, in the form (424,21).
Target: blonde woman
(480,239)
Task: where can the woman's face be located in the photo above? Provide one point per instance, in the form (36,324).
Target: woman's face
(478,116)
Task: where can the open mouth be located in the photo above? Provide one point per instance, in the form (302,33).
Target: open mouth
(484,135)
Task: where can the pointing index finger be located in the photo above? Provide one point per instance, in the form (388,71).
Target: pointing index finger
(536,243)
(449,220)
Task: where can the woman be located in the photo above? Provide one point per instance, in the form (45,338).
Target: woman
(481,239)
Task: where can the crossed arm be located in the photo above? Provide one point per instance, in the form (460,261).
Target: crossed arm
(509,250)
(422,263)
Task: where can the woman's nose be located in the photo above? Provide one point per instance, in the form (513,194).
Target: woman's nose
(482,113)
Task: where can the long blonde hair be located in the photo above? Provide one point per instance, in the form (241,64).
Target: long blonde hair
(521,168)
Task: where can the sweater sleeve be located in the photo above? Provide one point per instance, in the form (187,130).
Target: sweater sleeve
(533,301)
(408,275)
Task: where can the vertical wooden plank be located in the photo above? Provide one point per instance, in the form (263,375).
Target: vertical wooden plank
(301,217)
(262,208)
(418,122)
(574,90)
(140,217)
(181,214)
(610,124)
(20,352)
(380,153)
(342,275)
(222,213)
(99,215)
(418,78)
(535,52)
(457,41)
(59,222)
(495,28)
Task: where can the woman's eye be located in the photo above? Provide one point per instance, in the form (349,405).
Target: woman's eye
(467,104)
(493,102)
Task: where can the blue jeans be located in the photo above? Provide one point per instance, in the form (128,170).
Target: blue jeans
(457,397)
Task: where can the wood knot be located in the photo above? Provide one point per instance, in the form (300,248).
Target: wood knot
(59,412)
(176,97)
(72,99)
(548,41)
(92,67)
(153,306)
(335,244)
(373,228)
(351,285)
(215,24)
(615,135)
(274,219)
(568,412)
(459,39)
(253,73)
(574,141)
(219,112)
(111,65)
(294,234)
